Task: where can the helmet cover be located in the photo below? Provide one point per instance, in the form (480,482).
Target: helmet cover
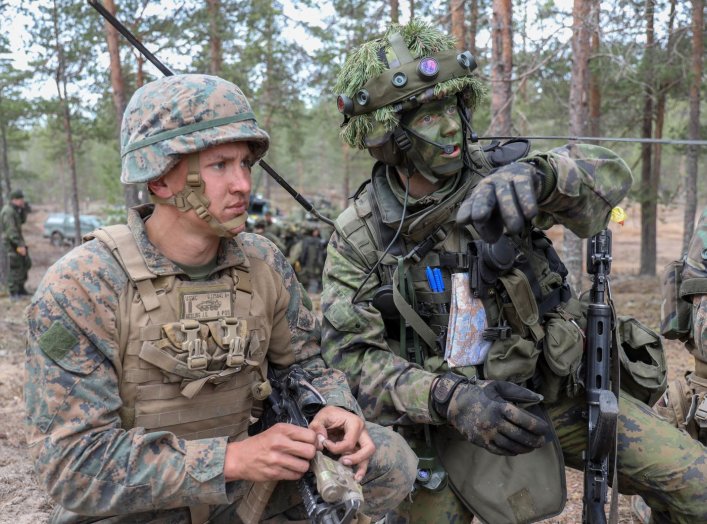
(182,114)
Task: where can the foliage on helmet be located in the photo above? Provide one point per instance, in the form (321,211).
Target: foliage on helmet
(365,63)
(183,114)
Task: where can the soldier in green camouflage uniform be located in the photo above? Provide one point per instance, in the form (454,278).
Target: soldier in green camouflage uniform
(437,199)
(12,216)
(685,402)
(148,345)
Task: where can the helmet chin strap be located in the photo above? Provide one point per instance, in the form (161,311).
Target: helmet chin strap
(193,197)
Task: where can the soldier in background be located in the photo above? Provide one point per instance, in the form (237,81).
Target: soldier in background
(685,288)
(12,216)
(307,257)
(262,228)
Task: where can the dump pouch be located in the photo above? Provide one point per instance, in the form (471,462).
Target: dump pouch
(509,489)
(643,366)
(675,311)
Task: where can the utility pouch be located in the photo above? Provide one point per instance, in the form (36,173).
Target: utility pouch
(563,347)
(643,367)
(675,311)
(512,359)
(509,489)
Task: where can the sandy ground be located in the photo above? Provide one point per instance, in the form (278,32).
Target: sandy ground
(22,500)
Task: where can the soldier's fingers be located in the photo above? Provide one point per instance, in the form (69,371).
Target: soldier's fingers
(508,206)
(525,195)
(366,449)
(511,446)
(483,202)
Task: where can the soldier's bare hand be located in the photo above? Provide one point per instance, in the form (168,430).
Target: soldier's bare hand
(22,251)
(345,434)
(282,452)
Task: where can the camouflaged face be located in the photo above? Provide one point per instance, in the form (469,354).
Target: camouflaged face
(183,114)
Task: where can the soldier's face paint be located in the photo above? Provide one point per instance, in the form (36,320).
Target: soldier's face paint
(438,122)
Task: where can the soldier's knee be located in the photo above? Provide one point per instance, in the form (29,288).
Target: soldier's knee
(391,471)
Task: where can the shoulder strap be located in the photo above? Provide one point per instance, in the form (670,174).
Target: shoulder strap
(120,240)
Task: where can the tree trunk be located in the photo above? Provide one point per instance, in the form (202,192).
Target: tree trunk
(660,106)
(502,67)
(215,55)
(394,11)
(4,181)
(60,81)
(693,129)
(579,116)
(473,26)
(130,192)
(412,8)
(594,85)
(649,190)
(269,75)
(458,32)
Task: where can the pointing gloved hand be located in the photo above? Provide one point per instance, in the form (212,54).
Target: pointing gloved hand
(507,197)
(484,412)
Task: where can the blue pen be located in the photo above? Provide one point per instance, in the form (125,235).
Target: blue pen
(431,279)
(439,281)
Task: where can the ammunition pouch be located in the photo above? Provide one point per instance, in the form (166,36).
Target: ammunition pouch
(675,311)
(643,367)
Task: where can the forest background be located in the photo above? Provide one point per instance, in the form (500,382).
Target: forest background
(611,68)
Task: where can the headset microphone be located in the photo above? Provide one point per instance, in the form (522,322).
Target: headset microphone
(447,148)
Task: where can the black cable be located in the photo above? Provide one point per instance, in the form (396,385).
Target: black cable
(395,237)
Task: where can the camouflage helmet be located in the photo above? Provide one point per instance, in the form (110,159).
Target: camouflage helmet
(183,114)
(16,193)
(410,65)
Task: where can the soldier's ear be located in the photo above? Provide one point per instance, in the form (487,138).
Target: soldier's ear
(159,187)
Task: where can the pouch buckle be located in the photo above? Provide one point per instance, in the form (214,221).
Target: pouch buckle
(232,329)
(197,358)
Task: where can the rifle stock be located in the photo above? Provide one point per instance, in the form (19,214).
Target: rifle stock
(602,404)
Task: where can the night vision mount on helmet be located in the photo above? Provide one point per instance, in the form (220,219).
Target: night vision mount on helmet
(411,65)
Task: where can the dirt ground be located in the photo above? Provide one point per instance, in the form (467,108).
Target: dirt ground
(22,500)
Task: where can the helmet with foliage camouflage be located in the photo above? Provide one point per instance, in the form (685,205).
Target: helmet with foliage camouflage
(410,65)
(182,114)
(179,116)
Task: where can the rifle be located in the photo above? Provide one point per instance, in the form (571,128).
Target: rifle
(602,403)
(329,491)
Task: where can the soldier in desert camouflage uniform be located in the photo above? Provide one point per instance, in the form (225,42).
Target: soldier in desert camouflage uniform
(438,200)
(148,345)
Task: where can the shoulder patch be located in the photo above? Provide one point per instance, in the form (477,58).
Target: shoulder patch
(57,341)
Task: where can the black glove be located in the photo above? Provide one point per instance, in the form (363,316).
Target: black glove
(507,197)
(483,412)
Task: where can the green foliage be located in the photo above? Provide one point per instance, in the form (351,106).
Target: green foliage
(290,82)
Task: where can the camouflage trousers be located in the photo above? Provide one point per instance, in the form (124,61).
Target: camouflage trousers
(655,460)
(18,268)
(389,478)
